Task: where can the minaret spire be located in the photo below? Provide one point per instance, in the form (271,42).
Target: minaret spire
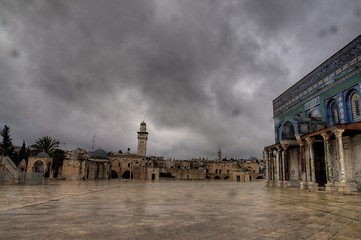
(142,139)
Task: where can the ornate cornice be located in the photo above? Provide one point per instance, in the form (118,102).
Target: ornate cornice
(340,64)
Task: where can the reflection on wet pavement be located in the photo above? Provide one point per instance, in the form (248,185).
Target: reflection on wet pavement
(174,210)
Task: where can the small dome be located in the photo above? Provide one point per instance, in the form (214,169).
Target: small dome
(143,123)
(42,155)
(100,154)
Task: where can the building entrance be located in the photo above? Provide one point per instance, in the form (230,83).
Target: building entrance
(320,167)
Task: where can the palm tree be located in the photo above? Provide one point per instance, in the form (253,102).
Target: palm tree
(45,144)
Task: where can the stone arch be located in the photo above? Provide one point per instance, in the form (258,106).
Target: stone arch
(288,131)
(226,177)
(39,166)
(278,131)
(291,125)
(114,174)
(127,175)
(217,177)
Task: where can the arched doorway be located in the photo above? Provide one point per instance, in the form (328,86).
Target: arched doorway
(217,177)
(126,175)
(38,166)
(226,177)
(320,167)
(114,174)
(47,172)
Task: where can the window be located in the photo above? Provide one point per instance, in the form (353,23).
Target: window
(334,113)
(216,170)
(355,107)
(288,131)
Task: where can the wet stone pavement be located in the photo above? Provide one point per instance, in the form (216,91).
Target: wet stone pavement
(123,209)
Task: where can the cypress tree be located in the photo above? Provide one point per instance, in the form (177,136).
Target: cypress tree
(6,145)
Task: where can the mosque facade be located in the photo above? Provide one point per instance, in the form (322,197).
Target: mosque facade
(317,128)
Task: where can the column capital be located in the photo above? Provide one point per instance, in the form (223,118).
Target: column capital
(326,136)
(338,132)
(270,152)
(285,146)
(300,142)
(266,152)
(309,140)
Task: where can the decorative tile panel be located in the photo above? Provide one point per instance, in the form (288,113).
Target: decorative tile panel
(343,60)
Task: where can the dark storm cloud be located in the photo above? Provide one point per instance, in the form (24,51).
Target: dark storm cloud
(202,74)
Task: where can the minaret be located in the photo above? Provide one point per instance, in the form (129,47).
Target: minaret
(219,154)
(142,140)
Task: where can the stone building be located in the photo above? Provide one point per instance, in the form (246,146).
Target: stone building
(79,164)
(200,169)
(317,125)
(41,163)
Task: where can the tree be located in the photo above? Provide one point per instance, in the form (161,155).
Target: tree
(23,153)
(6,145)
(58,158)
(45,144)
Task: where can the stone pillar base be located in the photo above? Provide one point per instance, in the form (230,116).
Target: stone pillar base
(303,186)
(268,183)
(279,184)
(343,187)
(312,186)
(273,184)
(331,187)
(286,184)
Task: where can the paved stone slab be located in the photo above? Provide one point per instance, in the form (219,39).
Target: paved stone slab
(123,209)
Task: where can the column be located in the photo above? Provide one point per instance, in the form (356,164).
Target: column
(312,185)
(342,186)
(266,157)
(284,166)
(278,171)
(330,185)
(302,165)
(273,167)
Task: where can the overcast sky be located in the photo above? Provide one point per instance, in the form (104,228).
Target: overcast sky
(202,74)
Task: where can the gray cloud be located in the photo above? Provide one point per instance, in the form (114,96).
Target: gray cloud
(202,74)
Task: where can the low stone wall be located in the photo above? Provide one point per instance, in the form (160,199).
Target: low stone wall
(34,178)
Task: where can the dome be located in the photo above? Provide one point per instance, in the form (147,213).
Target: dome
(43,155)
(100,154)
(143,123)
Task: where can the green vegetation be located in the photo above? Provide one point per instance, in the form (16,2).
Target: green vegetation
(6,146)
(45,144)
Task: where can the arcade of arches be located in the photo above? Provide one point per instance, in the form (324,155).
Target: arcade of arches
(316,161)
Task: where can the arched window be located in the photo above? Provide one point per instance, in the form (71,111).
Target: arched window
(288,131)
(334,118)
(355,107)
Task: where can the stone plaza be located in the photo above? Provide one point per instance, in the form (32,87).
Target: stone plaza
(171,209)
